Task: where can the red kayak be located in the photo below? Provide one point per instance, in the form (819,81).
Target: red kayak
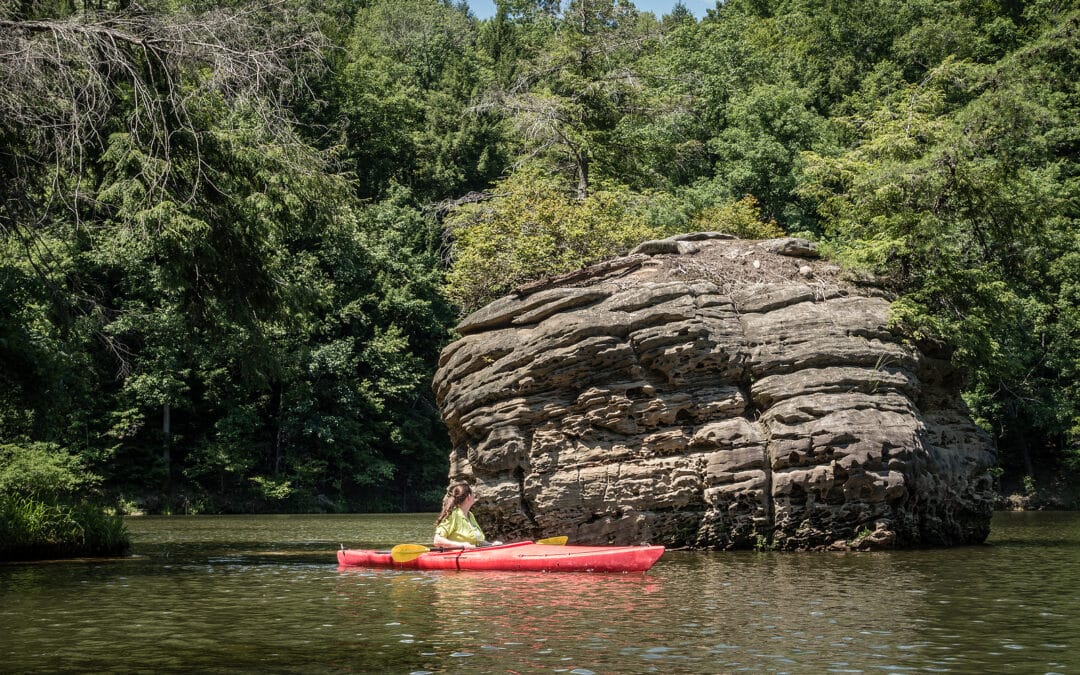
(524,556)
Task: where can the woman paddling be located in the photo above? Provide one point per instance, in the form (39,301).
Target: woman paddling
(456,527)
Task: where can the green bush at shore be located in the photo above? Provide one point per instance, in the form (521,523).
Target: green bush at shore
(32,529)
(44,512)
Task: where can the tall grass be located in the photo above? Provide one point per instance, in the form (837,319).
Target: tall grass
(35,529)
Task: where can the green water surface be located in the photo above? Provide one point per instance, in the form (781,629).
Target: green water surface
(264,594)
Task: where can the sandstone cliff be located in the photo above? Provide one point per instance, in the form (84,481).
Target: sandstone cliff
(711,392)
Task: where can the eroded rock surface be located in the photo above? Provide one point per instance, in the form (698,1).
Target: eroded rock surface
(711,392)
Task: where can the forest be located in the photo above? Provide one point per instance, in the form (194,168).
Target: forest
(234,237)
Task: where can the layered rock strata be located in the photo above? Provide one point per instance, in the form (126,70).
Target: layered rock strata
(711,392)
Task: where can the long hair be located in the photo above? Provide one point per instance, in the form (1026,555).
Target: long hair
(455,494)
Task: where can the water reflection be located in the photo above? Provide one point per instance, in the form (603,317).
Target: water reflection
(694,613)
(478,619)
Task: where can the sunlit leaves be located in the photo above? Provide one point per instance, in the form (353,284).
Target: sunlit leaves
(42,471)
(534,228)
(741,218)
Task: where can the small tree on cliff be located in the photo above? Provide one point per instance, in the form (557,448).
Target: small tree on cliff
(532,227)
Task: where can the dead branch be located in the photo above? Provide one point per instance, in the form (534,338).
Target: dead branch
(65,83)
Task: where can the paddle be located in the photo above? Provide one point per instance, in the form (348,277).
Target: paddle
(406,552)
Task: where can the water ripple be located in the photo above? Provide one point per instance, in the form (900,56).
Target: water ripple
(239,594)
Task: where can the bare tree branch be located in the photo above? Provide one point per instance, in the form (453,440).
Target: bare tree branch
(65,83)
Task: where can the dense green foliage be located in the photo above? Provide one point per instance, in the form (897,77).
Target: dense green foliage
(234,239)
(44,511)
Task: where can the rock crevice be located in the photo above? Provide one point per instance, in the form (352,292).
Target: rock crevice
(711,392)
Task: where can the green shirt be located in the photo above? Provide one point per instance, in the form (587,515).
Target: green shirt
(459,527)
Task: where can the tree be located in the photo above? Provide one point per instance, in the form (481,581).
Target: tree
(225,317)
(534,228)
(744,112)
(412,68)
(106,116)
(66,79)
(963,188)
(565,106)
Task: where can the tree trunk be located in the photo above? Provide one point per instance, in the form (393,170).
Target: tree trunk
(582,174)
(166,435)
(1025,454)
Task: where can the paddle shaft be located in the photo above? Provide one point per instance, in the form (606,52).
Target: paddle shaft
(406,552)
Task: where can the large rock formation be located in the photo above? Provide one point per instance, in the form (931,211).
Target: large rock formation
(711,392)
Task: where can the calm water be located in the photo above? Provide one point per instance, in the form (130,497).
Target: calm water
(228,594)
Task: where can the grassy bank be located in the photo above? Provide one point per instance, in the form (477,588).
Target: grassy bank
(31,529)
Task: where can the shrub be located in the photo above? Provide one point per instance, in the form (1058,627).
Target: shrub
(41,512)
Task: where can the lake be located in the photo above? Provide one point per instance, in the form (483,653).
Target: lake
(265,594)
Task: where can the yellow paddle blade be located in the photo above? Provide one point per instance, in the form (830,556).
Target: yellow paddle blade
(553,541)
(407,552)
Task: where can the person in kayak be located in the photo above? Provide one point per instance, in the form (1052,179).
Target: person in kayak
(456,527)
